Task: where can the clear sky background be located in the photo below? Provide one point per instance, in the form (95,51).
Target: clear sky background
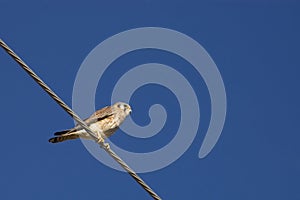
(255,45)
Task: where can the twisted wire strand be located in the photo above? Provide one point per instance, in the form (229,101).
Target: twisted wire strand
(97,138)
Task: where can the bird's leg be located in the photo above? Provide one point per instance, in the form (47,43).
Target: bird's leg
(101,141)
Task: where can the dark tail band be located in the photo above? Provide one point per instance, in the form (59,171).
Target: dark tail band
(63,138)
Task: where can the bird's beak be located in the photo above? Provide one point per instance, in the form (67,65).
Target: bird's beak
(130,111)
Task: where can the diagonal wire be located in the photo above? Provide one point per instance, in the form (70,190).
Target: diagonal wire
(58,100)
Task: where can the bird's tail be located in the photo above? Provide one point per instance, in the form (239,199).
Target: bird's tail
(63,138)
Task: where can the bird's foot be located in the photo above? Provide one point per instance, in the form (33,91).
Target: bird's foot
(100,140)
(106,145)
(102,143)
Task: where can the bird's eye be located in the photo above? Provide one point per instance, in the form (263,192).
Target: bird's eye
(121,106)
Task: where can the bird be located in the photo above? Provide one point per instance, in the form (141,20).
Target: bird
(103,122)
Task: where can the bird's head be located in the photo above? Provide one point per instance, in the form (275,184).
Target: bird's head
(124,107)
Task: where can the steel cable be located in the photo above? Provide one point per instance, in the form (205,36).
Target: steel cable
(58,100)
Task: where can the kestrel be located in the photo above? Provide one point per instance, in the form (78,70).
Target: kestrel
(104,122)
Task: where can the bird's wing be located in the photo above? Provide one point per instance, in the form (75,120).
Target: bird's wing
(97,116)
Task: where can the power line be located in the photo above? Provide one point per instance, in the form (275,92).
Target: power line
(97,139)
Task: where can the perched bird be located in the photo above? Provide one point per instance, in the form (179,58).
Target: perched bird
(104,122)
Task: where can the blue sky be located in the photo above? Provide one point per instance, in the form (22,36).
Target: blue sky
(255,46)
